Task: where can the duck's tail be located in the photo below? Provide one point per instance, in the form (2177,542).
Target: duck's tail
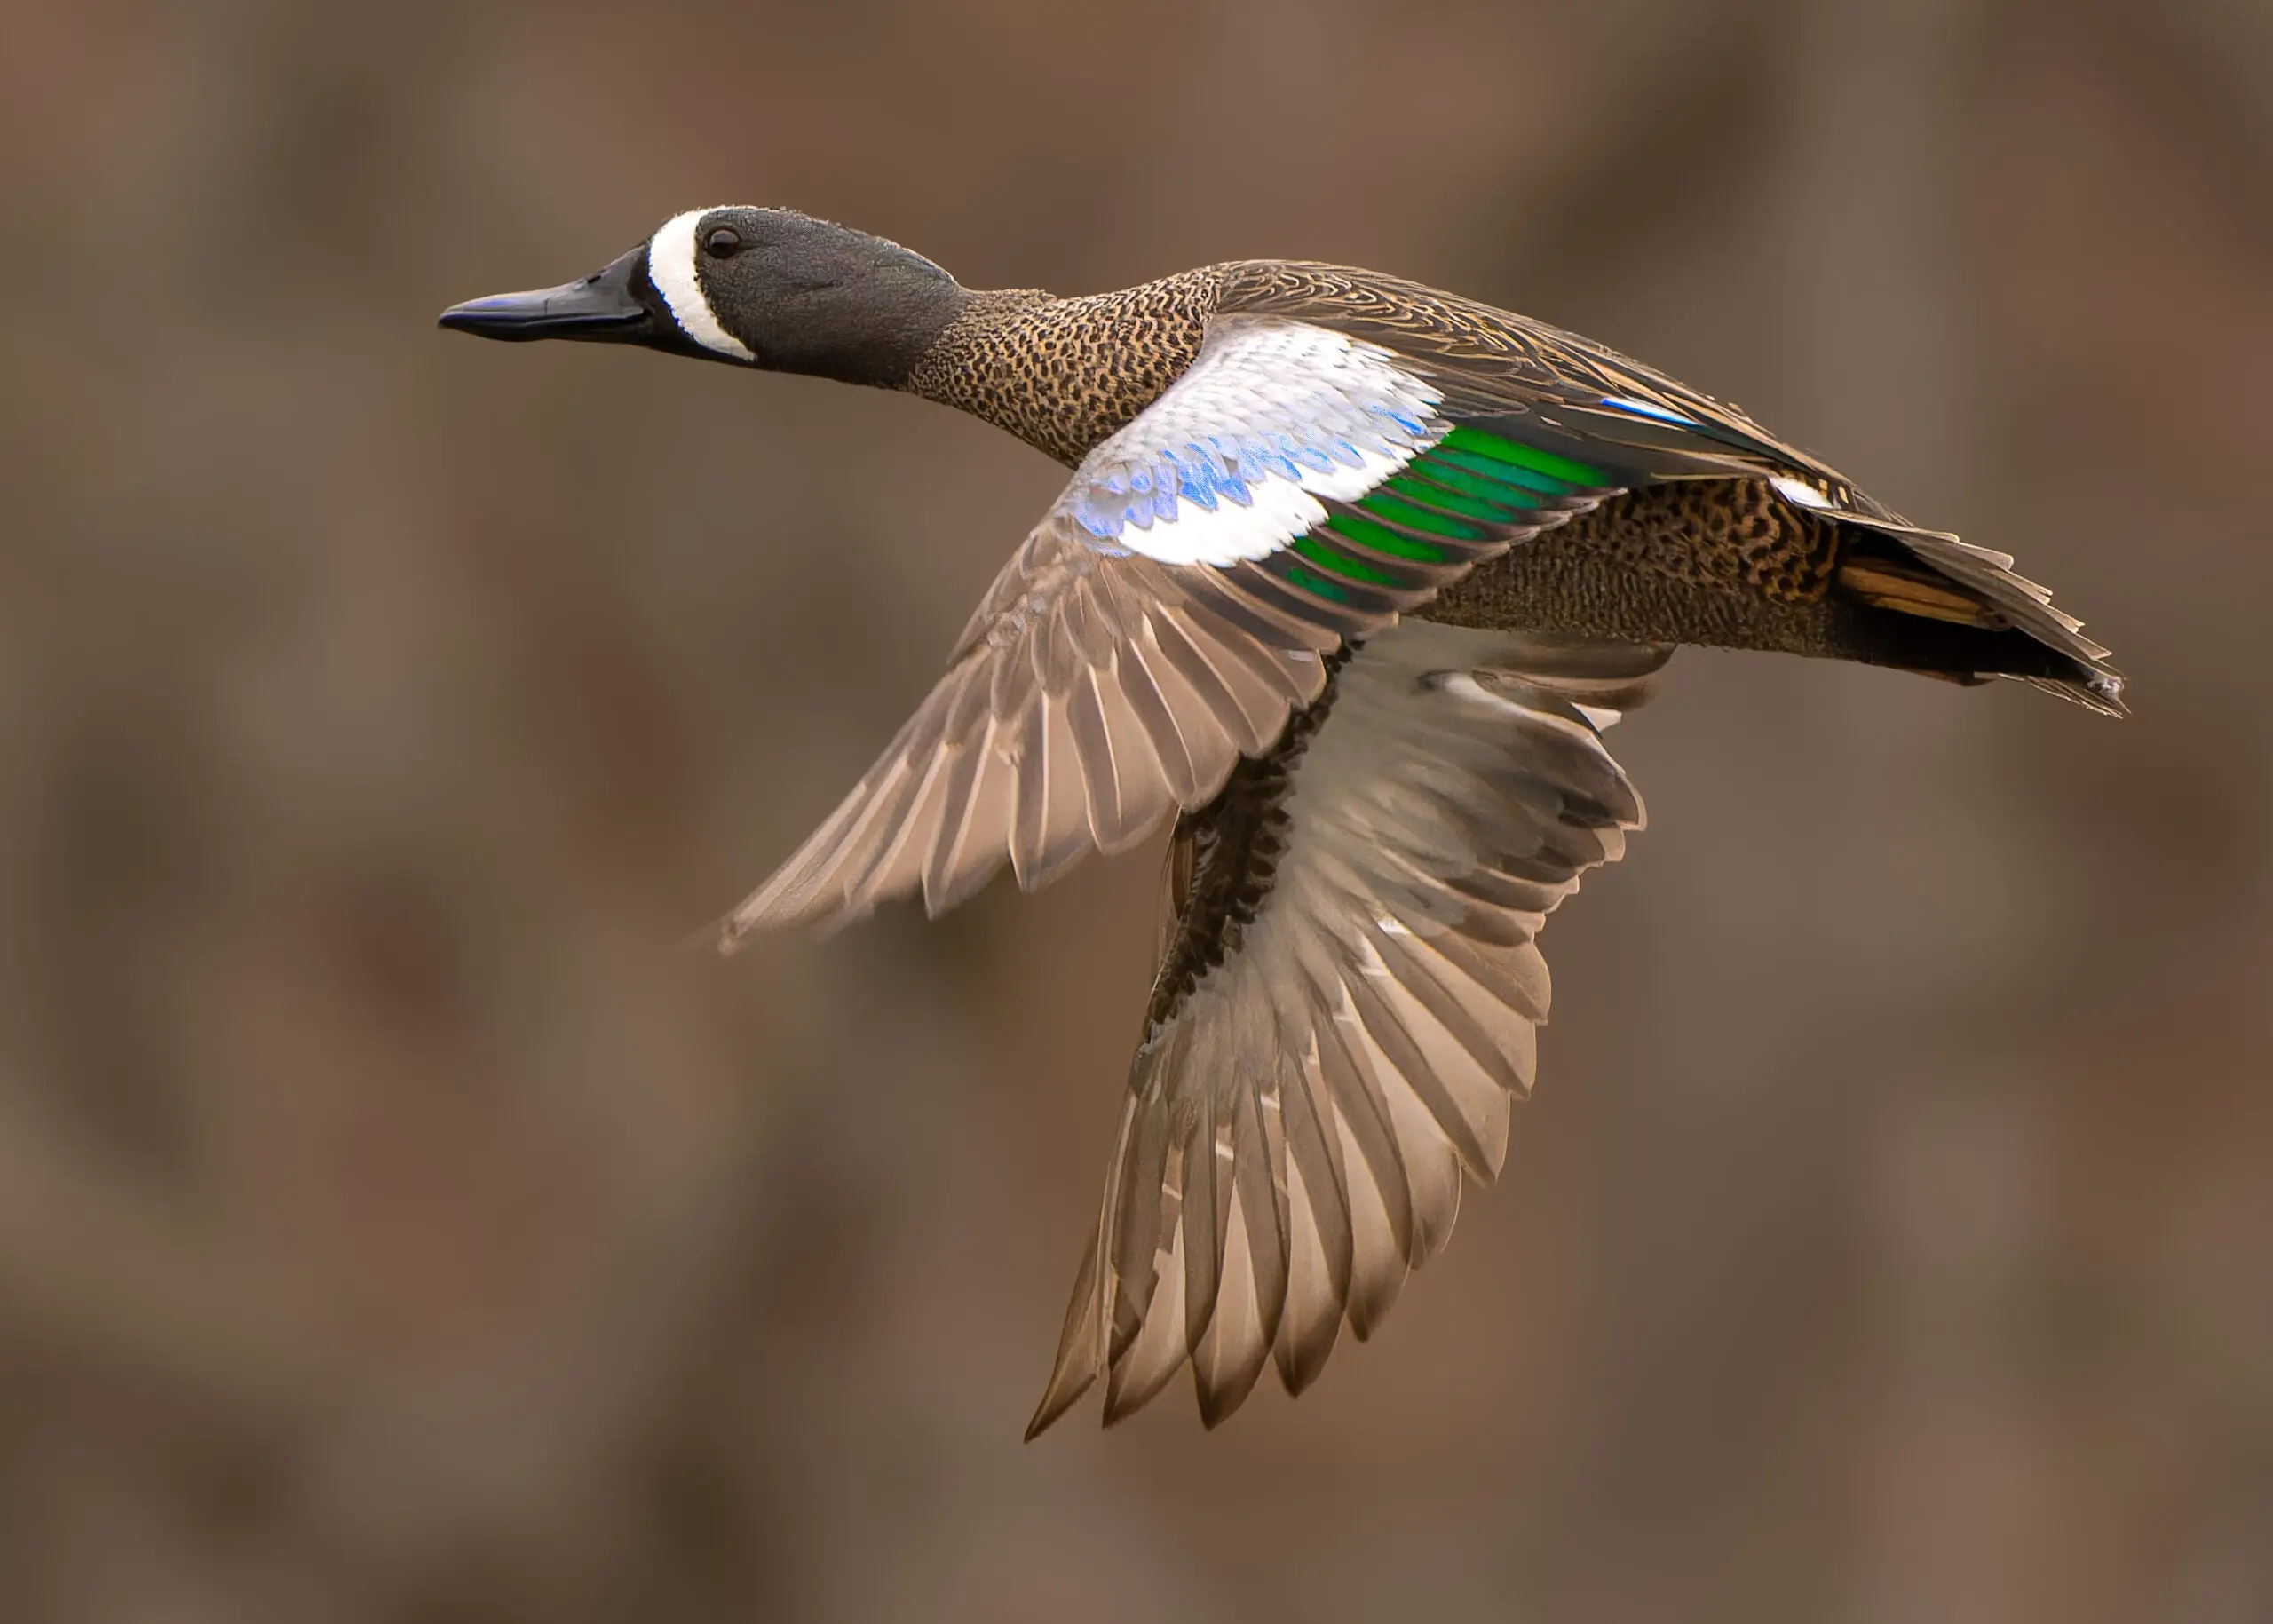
(1948,608)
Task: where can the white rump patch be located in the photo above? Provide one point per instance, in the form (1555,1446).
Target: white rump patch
(1798,491)
(670,266)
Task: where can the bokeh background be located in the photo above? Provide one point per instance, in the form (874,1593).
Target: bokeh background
(398,1224)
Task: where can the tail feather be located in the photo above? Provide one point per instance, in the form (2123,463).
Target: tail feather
(1932,576)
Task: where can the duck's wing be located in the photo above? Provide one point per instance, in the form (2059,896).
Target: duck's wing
(1555,391)
(1294,489)
(1607,420)
(1345,1007)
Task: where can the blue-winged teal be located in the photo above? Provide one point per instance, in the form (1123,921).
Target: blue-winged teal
(1348,579)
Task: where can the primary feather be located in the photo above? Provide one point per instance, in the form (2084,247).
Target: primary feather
(1345,1009)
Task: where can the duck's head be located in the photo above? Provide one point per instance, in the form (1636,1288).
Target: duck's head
(768,288)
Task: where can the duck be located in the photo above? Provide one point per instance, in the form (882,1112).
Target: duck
(1349,581)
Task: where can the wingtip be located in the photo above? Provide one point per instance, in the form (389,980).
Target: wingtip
(1066,1385)
(1230,1361)
(717,937)
(1300,1374)
(1122,1401)
(729,936)
(756,912)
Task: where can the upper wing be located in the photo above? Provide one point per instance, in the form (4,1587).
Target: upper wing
(1547,388)
(1294,488)
(1345,1007)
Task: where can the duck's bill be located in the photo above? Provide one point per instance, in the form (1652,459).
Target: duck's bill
(604,307)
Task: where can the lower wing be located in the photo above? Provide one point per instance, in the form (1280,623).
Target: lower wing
(1345,1008)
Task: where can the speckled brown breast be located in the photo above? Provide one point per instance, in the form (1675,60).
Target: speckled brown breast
(1063,373)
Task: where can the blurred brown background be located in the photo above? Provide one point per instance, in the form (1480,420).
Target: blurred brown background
(396,1225)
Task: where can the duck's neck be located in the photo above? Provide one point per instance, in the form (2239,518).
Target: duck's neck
(1063,373)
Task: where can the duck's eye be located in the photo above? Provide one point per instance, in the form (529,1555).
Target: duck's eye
(722,243)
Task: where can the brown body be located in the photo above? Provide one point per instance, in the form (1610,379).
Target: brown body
(1718,563)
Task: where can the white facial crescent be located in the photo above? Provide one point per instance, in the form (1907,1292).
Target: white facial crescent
(670,266)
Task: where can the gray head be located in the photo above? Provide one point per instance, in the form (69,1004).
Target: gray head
(768,288)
